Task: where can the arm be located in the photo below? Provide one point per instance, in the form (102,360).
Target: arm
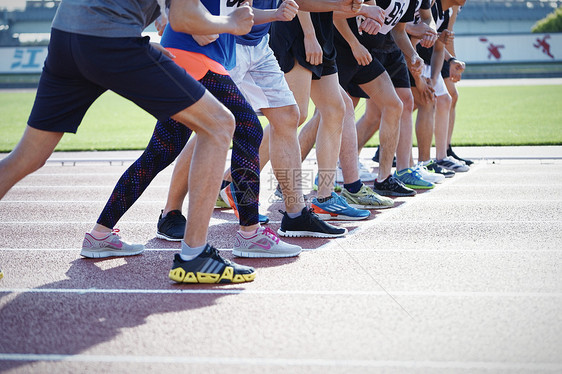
(367,10)
(360,53)
(191,17)
(352,6)
(437,58)
(287,11)
(414,61)
(311,46)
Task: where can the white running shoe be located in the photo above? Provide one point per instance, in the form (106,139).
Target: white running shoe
(427,175)
(450,163)
(109,246)
(264,243)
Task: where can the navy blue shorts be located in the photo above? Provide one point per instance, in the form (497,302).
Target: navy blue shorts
(79,68)
(446,70)
(395,65)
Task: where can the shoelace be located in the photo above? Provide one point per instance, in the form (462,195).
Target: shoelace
(214,254)
(270,234)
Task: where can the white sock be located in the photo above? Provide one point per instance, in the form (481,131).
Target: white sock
(188,253)
(294,215)
(99,234)
(248,234)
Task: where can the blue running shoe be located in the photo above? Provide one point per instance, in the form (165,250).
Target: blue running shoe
(337,187)
(412,179)
(336,208)
(228,196)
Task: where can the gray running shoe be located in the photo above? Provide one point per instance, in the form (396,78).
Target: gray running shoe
(110,246)
(264,243)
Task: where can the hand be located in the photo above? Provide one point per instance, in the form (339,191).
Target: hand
(370,26)
(429,38)
(160,24)
(242,19)
(446,37)
(361,54)
(416,65)
(163,50)
(374,12)
(313,50)
(286,11)
(425,90)
(205,39)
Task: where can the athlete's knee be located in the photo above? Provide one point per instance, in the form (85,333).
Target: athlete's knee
(443,102)
(407,102)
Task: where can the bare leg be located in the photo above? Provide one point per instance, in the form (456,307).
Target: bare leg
(452,88)
(328,140)
(307,135)
(214,126)
(284,152)
(368,124)
(349,153)
(178,184)
(404,149)
(442,108)
(29,155)
(424,126)
(383,93)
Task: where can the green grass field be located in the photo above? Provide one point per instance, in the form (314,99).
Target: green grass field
(503,116)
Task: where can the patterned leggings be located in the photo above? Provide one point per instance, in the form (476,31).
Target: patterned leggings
(170,137)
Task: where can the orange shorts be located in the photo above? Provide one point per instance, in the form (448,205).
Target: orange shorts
(196,64)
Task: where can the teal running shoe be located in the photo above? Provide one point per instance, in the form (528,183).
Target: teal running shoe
(413,179)
(336,208)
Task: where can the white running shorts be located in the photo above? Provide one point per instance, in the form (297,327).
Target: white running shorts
(258,76)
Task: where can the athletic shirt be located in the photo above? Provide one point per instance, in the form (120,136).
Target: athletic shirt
(106,18)
(441,22)
(395,11)
(222,50)
(257,32)
(423,4)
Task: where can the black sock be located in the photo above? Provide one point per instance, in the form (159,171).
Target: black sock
(353,187)
(224,184)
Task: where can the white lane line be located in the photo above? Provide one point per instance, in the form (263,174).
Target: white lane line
(227,291)
(436,201)
(271,361)
(373,250)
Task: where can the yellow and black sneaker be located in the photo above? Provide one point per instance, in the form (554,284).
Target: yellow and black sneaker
(1,274)
(209,267)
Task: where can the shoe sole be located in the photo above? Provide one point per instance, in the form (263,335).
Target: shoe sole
(359,206)
(338,217)
(160,235)
(105,254)
(415,187)
(309,234)
(392,193)
(263,254)
(179,275)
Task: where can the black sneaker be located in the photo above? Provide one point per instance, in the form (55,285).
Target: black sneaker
(209,267)
(392,187)
(172,226)
(432,165)
(451,153)
(308,224)
(376,158)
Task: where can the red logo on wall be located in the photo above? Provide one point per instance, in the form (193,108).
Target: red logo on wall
(493,49)
(542,43)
